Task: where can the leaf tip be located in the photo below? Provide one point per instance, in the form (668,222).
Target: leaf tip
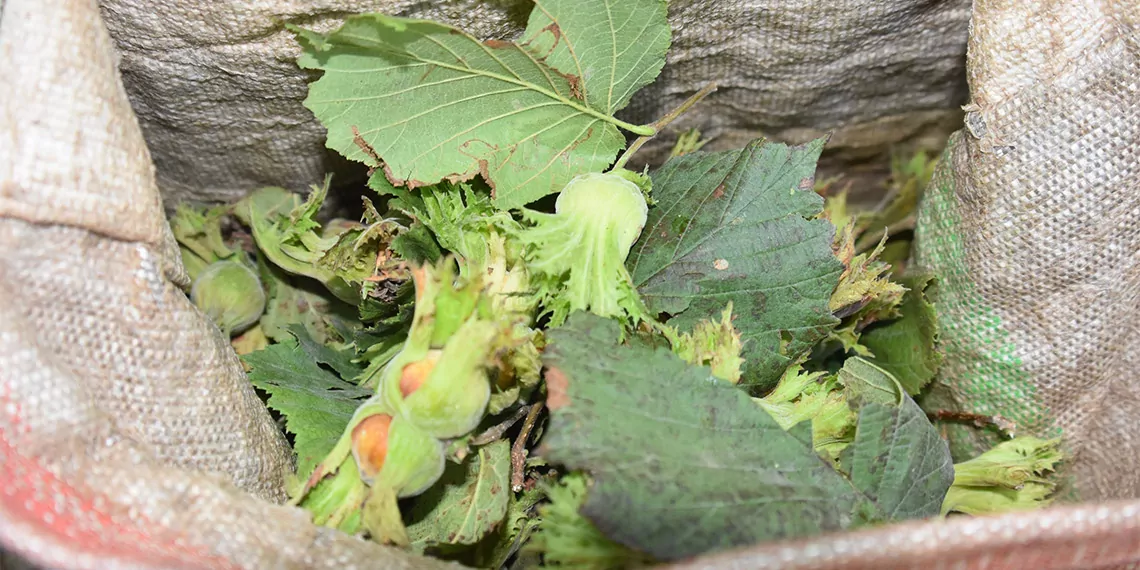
(310,40)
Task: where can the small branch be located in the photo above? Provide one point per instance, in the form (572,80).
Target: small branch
(662,123)
(1002,425)
(518,450)
(496,432)
(867,241)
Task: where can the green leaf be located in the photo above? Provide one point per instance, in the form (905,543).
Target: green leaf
(283,228)
(736,226)
(566,539)
(434,103)
(467,503)
(340,360)
(316,404)
(898,459)
(290,304)
(416,245)
(615,46)
(684,463)
(906,347)
(866,382)
(516,530)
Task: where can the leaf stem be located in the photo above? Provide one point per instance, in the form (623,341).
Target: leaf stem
(641,130)
(661,123)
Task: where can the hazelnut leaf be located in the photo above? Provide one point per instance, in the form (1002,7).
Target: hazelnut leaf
(684,463)
(467,503)
(741,226)
(317,405)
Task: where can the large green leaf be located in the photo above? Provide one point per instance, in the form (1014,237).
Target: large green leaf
(316,404)
(434,103)
(683,463)
(736,226)
(468,502)
(906,347)
(898,460)
(615,46)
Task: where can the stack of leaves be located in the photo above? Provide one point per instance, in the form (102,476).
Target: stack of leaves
(650,366)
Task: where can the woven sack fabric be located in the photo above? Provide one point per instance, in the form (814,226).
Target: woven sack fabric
(218,95)
(130,438)
(1032,224)
(129,435)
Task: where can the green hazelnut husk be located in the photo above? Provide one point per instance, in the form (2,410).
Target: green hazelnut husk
(231,294)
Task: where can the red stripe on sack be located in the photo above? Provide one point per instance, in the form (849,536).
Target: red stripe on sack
(76,521)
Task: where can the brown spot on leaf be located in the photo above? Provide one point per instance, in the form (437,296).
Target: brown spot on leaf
(719,192)
(497,44)
(412,184)
(575,87)
(720,264)
(483,164)
(556,388)
(365,147)
(807,183)
(554,29)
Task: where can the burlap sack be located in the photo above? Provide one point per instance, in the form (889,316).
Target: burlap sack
(129,438)
(1033,225)
(218,95)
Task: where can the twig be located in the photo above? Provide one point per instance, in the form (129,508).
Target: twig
(1004,426)
(663,122)
(518,450)
(496,431)
(866,241)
